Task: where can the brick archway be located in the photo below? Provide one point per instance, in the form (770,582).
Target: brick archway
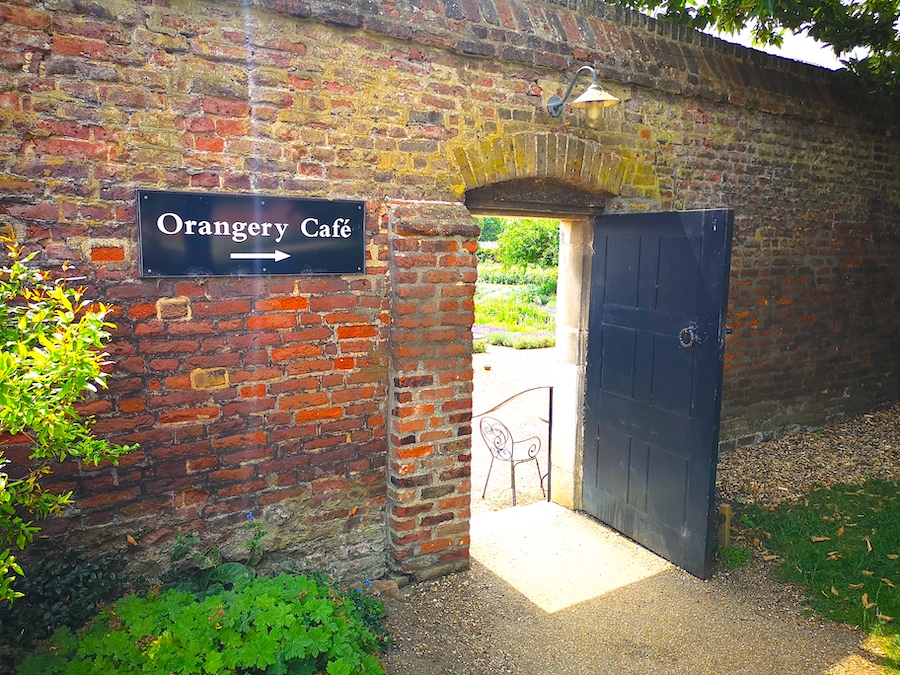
(433,272)
(592,165)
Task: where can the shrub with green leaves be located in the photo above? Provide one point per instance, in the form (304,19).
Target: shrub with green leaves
(62,589)
(50,357)
(525,341)
(529,241)
(491,227)
(543,278)
(289,624)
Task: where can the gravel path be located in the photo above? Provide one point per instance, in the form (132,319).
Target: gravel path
(667,621)
(785,468)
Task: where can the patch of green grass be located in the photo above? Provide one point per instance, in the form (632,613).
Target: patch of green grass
(890,645)
(479,346)
(843,545)
(734,557)
(286,624)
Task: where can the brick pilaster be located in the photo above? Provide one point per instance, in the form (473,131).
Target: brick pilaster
(433,270)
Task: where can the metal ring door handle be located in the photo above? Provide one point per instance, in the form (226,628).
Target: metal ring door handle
(689,336)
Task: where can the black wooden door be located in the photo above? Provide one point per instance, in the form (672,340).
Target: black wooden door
(654,379)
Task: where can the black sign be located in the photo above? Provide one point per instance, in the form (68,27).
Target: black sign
(209,235)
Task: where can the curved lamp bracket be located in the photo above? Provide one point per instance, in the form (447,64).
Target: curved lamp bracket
(595,97)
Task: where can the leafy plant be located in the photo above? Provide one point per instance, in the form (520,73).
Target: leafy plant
(843,545)
(486,255)
(60,590)
(289,624)
(213,580)
(373,613)
(50,342)
(254,542)
(200,570)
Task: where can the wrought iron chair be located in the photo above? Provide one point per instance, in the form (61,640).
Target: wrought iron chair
(502,446)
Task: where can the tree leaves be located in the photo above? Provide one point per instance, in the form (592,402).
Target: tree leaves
(871,25)
(529,241)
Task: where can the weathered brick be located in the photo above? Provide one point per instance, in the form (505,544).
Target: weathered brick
(272,322)
(188,415)
(173,309)
(807,273)
(231,475)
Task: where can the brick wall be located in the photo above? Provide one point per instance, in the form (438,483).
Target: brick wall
(433,286)
(337,408)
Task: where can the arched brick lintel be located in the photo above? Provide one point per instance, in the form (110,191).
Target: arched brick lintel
(587,164)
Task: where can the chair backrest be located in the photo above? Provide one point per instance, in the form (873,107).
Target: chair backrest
(497,437)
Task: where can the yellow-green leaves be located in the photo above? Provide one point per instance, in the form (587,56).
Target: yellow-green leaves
(50,357)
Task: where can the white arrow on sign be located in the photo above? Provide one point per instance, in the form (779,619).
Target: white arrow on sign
(277,256)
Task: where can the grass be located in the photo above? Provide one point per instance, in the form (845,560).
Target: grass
(735,556)
(842,544)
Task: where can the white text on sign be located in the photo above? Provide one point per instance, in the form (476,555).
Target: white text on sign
(239,231)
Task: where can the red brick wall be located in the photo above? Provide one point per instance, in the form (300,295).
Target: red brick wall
(433,272)
(337,408)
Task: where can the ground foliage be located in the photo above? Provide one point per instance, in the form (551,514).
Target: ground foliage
(528,242)
(870,24)
(512,308)
(205,616)
(526,341)
(63,588)
(540,280)
(842,544)
(286,624)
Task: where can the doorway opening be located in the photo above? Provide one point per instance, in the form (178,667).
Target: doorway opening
(514,361)
(528,210)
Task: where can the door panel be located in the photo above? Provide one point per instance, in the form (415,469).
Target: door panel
(654,374)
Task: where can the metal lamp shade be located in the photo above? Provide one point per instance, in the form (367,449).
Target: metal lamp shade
(594,100)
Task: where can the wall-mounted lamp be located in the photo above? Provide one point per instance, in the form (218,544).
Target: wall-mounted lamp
(594,99)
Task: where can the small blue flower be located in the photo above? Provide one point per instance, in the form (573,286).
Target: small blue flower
(250,515)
